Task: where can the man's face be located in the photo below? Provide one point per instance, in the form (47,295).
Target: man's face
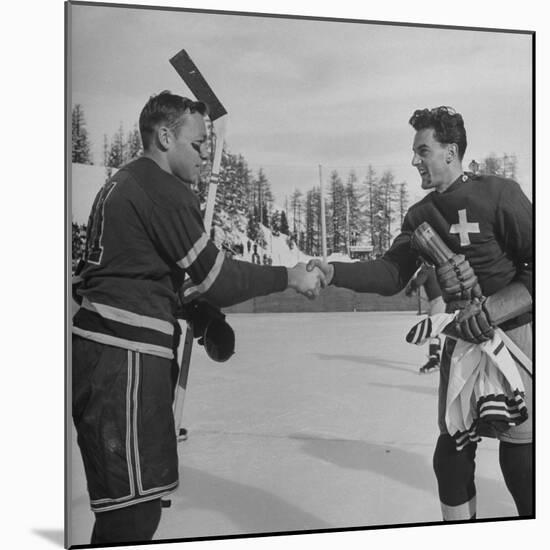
(187,149)
(431,159)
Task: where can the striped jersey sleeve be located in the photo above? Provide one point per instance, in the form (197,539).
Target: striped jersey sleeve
(180,233)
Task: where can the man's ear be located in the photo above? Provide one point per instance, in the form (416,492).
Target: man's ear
(164,137)
(452,152)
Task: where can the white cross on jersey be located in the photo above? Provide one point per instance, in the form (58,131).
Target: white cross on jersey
(464,228)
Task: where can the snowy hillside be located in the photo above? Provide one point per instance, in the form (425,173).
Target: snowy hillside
(86,180)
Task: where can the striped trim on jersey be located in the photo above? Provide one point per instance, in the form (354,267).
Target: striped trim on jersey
(193,254)
(124,329)
(128,317)
(136,492)
(196,290)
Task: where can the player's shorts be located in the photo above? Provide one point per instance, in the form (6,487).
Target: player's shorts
(523,337)
(122,411)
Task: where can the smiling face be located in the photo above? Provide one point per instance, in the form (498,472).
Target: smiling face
(434,161)
(187,148)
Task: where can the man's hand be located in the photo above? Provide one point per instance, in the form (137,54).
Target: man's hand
(473,323)
(326,268)
(306,281)
(457,279)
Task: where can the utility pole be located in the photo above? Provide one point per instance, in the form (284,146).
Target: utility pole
(323,221)
(347,226)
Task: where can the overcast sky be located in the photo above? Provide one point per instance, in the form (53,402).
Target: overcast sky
(303,93)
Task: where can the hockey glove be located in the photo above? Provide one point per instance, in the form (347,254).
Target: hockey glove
(457,279)
(473,323)
(211,329)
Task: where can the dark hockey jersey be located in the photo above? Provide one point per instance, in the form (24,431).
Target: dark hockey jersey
(144,234)
(486,218)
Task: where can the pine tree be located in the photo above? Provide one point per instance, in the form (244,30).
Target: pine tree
(242,186)
(378,217)
(105,150)
(302,240)
(296,206)
(231,204)
(369,203)
(403,201)
(510,165)
(263,197)
(310,224)
(116,156)
(134,148)
(505,166)
(337,233)
(354,222)
(80,142)
(276,222)
(388,198)
(312,233)
(492,165)
(206,167)
(264,215)
(284,224)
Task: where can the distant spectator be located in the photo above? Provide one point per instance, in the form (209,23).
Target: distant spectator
(255,255)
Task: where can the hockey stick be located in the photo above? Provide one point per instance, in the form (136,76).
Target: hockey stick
(194,80)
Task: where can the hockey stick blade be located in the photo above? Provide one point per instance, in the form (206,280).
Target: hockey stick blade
(197,84)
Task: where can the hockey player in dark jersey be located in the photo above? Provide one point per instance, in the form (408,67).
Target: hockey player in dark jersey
(145,234)
(425,277)
(487,222)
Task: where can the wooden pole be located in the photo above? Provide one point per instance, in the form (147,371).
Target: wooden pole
(323,217)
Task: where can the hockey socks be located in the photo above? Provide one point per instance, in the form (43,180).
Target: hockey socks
(134,523)
(454,471)
(516,463)
(435,348)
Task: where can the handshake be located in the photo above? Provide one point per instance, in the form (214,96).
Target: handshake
(308,279)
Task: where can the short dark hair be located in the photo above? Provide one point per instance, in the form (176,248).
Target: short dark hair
(448,125)
(166,108)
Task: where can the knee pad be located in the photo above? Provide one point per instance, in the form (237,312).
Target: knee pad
(454,471)
(516,463)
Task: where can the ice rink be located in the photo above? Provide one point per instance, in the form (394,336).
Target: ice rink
(319,421)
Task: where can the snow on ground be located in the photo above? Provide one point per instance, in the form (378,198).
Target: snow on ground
(319,421)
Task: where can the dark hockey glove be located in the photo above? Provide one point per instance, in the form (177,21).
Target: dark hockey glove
(473,323)
(457,279)
(211,329)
